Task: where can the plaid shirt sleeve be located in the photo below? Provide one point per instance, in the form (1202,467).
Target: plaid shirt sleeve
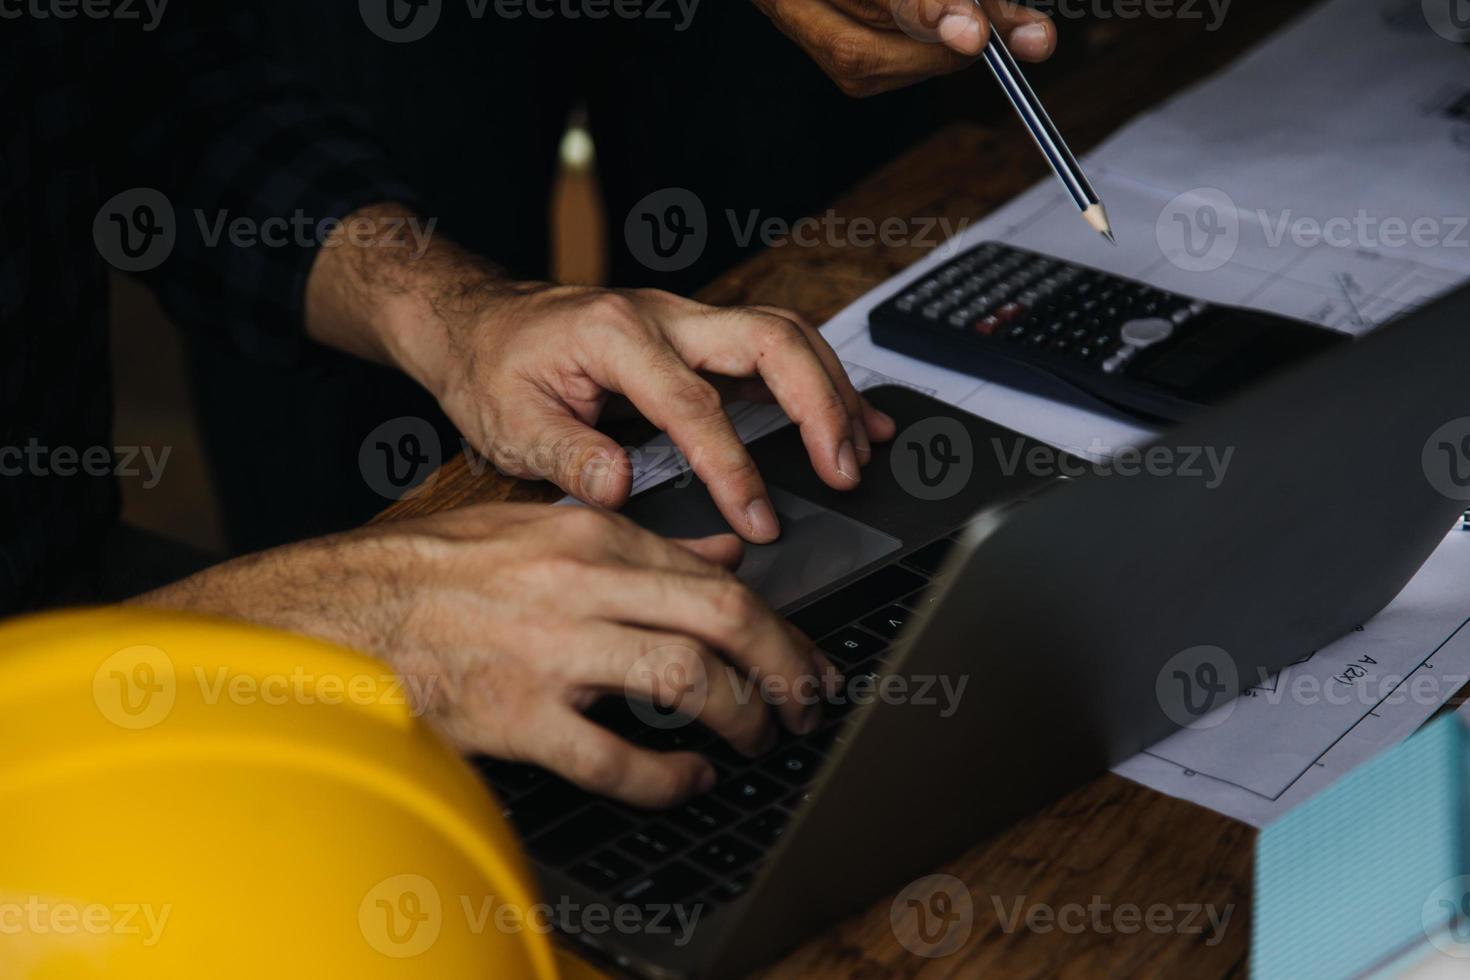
(235,142)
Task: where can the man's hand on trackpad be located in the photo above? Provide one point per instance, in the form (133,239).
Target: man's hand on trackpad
(526,369)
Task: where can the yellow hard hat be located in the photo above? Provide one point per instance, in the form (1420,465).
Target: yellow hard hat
(187,797)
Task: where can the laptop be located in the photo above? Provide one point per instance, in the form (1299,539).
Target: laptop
(1063,617)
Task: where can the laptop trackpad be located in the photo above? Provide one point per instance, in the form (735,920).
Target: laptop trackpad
(816,548)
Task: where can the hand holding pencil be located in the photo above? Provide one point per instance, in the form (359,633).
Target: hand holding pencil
(872,46)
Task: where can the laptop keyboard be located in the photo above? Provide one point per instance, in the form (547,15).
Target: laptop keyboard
(709,848)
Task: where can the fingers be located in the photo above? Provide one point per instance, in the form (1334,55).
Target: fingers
(851,400)
(864,59)
(1030,34)
(722,614)
(600,762)
(674,398)
(958,24)
(598,543)
(881,427)
(681,674)
(749,341)
(725,550)
(579,459)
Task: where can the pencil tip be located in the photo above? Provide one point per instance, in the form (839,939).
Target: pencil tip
(1097,216)
(1111,240)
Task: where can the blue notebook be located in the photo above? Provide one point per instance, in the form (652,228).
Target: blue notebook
(1362,877)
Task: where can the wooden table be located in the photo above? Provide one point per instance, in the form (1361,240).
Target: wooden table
(1111,842)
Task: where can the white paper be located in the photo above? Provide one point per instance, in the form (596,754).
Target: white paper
(1354,121)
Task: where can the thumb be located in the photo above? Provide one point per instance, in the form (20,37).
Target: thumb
(722,549)
(579,459)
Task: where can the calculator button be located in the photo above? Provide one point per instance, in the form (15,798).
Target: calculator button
(1143,333)
(988,325)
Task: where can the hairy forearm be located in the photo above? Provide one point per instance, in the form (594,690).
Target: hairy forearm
(388,287)
(332,588)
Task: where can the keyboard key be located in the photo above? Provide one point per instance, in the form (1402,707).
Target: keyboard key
(749,791)
(821,740)
(851,646)
(724,854)
(509,778)
(847,604)
(730,889)
(929,558)
(685,738)
(922,600)
(604,870)
(589,828)
(765,828)
(797,800)
(888,622)
(551,801)
(724,755)
(701,817)
(654,843)
(861,689)
(793,765)
(669,884)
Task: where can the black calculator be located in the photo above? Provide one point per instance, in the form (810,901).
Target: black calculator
(1031,321)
